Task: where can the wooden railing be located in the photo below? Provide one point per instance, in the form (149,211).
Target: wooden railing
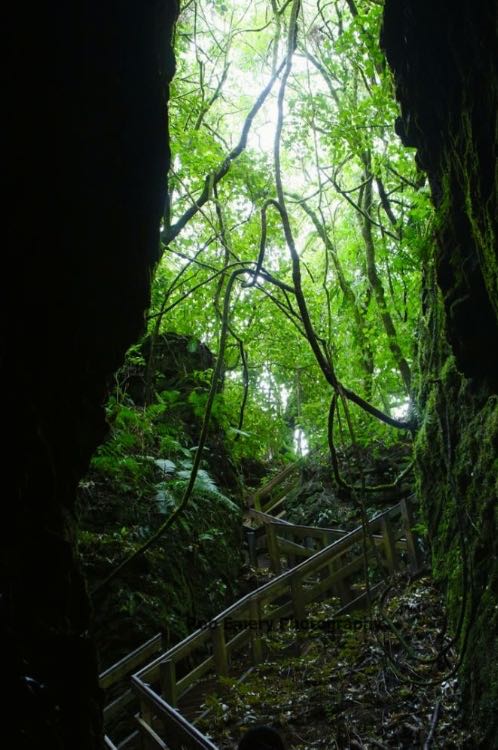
(116,683)
(163,684)
(270,497)
(271,537)
(181,734)
(119,675)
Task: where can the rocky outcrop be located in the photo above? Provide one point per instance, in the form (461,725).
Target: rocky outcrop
(87,154)
(446,72)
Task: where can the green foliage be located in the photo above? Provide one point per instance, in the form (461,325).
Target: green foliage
(125,471)
(339,109)
(137,478)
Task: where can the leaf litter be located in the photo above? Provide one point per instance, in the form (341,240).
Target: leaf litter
(355,684)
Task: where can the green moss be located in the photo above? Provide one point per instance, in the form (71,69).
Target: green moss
(477,213)
(456,453)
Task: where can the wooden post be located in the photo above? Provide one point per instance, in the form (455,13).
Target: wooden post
(255,616)
(273,551)
(167,670)
(220,650)
(297,593)
(390,550)
(328,569)
(342,587)
(257,502)
(414,554)
(291,559)
(146,715)
(251,547)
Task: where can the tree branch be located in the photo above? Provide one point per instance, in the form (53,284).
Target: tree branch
(214,178)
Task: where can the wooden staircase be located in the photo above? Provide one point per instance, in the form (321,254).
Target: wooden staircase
(155,694)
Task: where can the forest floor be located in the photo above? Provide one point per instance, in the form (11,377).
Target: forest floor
(360,685)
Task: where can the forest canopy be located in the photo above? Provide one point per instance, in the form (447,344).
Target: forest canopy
(295,223)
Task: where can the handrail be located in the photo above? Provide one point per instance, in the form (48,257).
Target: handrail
(296,528)
(313,563)
(289,593)
(125,666)
(268,488)
(184,732)
(117,672)
(276,480)
(129,662)
(260,515)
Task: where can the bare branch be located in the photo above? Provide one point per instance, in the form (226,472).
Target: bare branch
(214,179)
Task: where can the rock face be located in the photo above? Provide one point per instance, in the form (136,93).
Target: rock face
(87,154)
(183,364)
(176,361)
(446,72)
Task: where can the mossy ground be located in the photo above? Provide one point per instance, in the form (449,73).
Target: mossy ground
(356,688)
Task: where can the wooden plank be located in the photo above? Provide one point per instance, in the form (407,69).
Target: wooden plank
(329,583)
(130,662)
(278,479)
(117,705)
(327,569)
(238,641)
(414,554)
(259,515)
(275,506)
(183,649)
(390,551)
(130,741)
(257,644)
(109,744)
(169,688)
(298,528)
(313,531)
(283,610)
(219,649)
(292,548)
(325,540)
(298,598)
(261,544)
(146,709)
(195,674)
(176,728)
(150,738)
(342,587)
(269,590)
(251,540)
(145,719)
(273,550)
(361,601)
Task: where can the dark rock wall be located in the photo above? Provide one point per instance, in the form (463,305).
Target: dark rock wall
(446,71)
(86,157)
(445,64)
